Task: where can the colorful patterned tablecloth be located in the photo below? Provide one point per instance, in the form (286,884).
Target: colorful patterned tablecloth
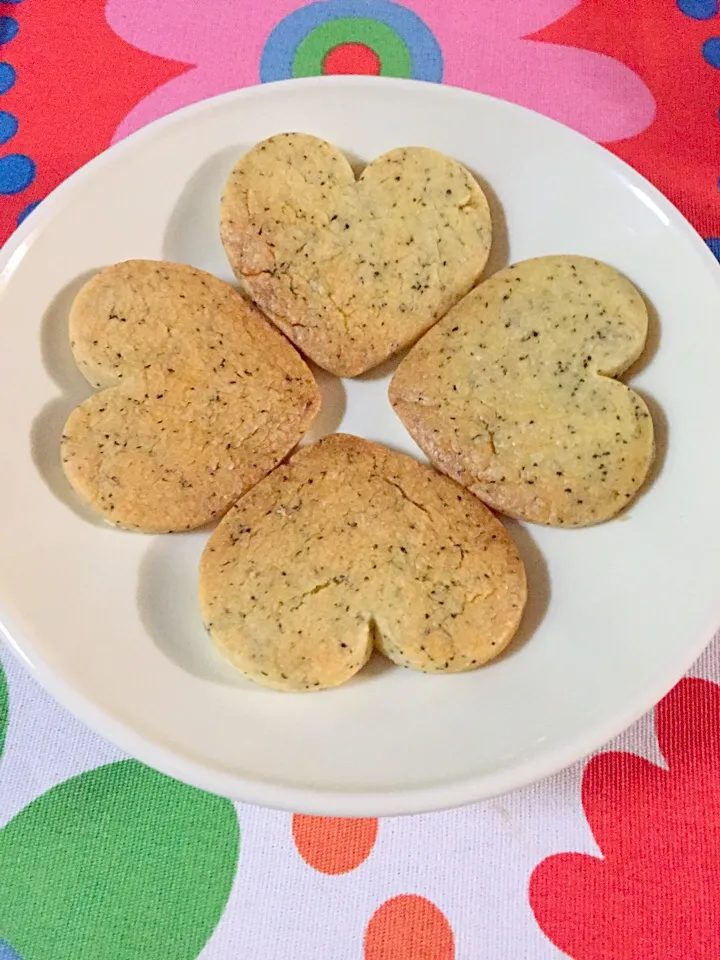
(615,859)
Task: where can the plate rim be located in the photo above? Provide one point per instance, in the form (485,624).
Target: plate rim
(308,800)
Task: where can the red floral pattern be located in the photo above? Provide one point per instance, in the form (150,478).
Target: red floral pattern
(680,151)
(655,893)
(63,55)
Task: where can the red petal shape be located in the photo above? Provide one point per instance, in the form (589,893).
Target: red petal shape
(567,898)
(624,796)
(334,844)
(688,722)
(679,152)
(654,896)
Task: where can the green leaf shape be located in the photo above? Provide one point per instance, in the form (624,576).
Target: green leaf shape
(4,708)
(119,863)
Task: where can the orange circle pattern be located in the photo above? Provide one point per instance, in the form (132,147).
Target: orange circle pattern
(334,845)
(409,927)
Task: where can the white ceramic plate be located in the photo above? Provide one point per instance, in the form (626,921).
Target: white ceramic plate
(108,620)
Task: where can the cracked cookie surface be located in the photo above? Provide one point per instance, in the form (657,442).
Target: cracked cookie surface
(350,544)
(199,396)
(513,395)
(353,271)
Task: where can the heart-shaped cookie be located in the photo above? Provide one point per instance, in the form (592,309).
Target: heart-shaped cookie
(200,396)
(353,271)
(512,393)
(349,544)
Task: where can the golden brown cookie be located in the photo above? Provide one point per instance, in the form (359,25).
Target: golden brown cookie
(199,396)
(513,393)
(353,271)
(349,544)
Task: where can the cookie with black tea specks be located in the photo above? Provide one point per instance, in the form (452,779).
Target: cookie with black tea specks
(350,544)
(513,392)
(353,271)
(199,396)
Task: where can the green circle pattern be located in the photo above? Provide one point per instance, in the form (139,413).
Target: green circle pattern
(391,50)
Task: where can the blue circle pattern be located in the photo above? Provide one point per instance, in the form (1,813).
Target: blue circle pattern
(8,126)
(8,29)
(698,9)
(277,58)
(7,77)
(17,172)
(711,52)
(23,215)
(706,10)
